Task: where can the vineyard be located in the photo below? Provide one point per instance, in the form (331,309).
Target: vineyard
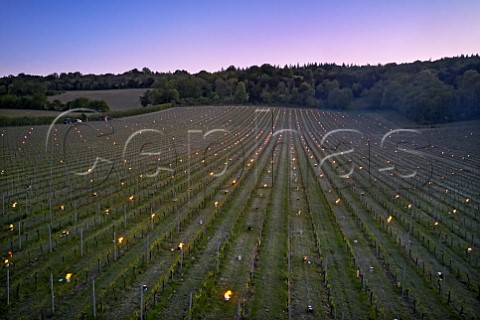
(241,212)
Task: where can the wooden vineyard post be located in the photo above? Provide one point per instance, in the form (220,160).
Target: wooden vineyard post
(151,217)
(94,303)
(239,305)
(19,235)
(114,246)
(52,295)
(81,242)
(50,210)
(8,286)
(177,212)
(141,302)
(190,301)
(50,237)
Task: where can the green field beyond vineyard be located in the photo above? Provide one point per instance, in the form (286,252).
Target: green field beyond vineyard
(240,212)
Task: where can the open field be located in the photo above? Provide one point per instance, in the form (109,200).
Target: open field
(158,216)
(118,100)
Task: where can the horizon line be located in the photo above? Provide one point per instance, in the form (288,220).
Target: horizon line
(290,65)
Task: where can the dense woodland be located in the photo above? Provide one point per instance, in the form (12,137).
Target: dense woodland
(426,92)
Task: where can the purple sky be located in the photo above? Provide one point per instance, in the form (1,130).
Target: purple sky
(42,37)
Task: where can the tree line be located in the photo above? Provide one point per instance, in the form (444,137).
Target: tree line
(426,92)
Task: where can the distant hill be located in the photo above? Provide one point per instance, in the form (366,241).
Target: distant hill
(426,92)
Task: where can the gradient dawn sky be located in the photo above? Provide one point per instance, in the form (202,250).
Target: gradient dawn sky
(43,37)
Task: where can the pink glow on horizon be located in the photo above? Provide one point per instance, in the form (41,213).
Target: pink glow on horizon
(93,37)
